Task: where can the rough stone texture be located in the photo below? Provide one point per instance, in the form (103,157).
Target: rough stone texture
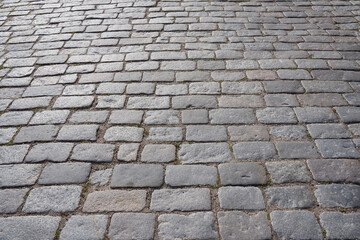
(290,197)
(236,225)
(44,133)
(295,225)
(65,173)
(85,227)
(13,154)
(340,225)
(288,172)
(128,152)
(244,198)
(338,195)
(78,133)
(158,153)
(337,148)
(245,173)
(53,152)
(296,150)
(93,152)
(100,177)
(204,153)
(193,226)
(132,226)
(254,151)
(11,199)
(19,175)
(53,199)
(115,200)
(124,134)
(190,175)
(206,133)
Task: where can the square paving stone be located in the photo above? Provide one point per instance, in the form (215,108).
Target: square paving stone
(341,225)
(53,152)
(254,151)
(137,175)
(78,133)
(193,226)
(43,133)
(296,150)
(65,173)
(128,152)
(11,199)
(158,153)
(190,175)
(343,170)
(206,133)
(168,200)
(91,227)
(241,198)
(115,200)
(101,177)
(338,195)
(132,226)
(288,172)
(295,225)
(204,153)
(93,152)
(19,175)
(29,227)
(13,154)
(245,173)
(289,197)
(124,134)
(236,225)
(337,148)
(53,199)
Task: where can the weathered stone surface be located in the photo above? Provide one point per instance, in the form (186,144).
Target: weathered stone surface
(254,151)
(115,200)
(288,132)
(7,134)
(78,133)
(13,154)
(193,226)
(19,175)
(11,200)
(132,226)
(338,195)
(206,133)
(165,134)
(248,133)
(100,177)
(158,153)
(288,172)
(337,148)
(53,152)
(204,153)
(65,173)
(244,198)
(236,225)
(124,134)
(295,225)
(93,152)
(340,225)
(190,175)
(43,133)
(128,152)
(232,116)
(169,200)
(296,150)
(290,197)
(245,173)
(53,199)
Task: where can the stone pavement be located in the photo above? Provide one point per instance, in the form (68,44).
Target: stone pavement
(179,119)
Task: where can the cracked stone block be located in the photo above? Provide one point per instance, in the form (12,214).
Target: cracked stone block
(65,173)
(19,175)
(244,173)
(206,133)
(254,151)
(337,148)
(158,153)
(85,227)
(127,226)
(193,226)
(53,152)
(124,134)
(338,195)
(190,175)
(53,199)
(128,152)
(136,175)
(11,199)
(78,133)
(93,152)
(296,150)
(204,153)
(290,197)
(343,170)
(236,225)
(244,198)
(101,177)
(13,154)
(168,200)
(341,225)
(29,227)
(295,225)
(115,200)
(288,172)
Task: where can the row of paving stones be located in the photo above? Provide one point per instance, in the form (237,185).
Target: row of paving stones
(232,224)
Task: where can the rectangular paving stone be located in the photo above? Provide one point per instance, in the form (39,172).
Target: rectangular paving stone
(232,116)
(30,227)
(65,173)
(242,101)
(126,117)
(13,154)
(296,150)
(110,101)
(11,199)
(137,175)
(276,115)
(338,195)
(190,175)
(283,87)
(195,225)
(78,133)
(315,115)
(128,152)
(115,200)
(194,116)
(288,172)
(165,134)
(7,134)
(124,134)
(326,86)
(348,114)
(30,103)
(191,102)
(89,117)
(322,100)
(168,200)
(248,133)
(244,198)
(205,133)
(241,87)
(239,225)
(204,153)
(161,117)
(53,152)
(340,225)
(328,131)
(93,152)
(15,118)
(44,133)
(50,117)
(337,148)
(148,103)
(290,197)
(53,199)
(158,153)
(245,173)
(74,102)
(254,151)
(126,226)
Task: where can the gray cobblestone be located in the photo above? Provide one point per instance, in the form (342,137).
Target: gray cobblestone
(44,133)
(347,196)
(11,199)
(13,154)
(124,134)
(254,151)
(205,133)
(340,225)
(290,197)
(54,152)
(65,173)
(78,133)
(241,198)
(93,152)
(190,175)
(288,172)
